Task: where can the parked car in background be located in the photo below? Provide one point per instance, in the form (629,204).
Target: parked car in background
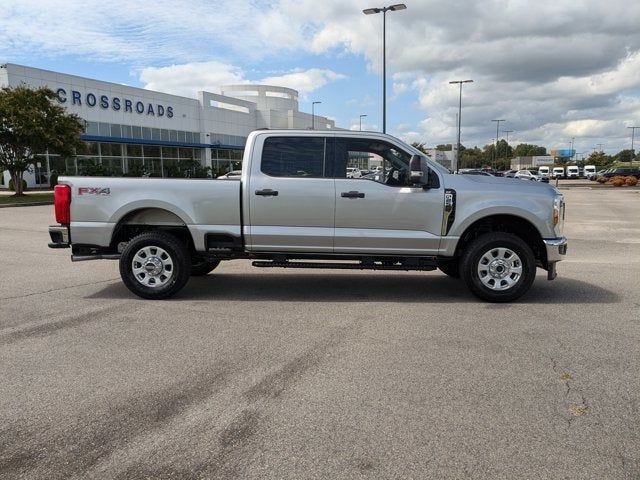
(622,171)
(594,176)
(557,172)
(472,171)
(589,170)
(510,173)
(573,171)
(526,175)
(232,175)
(544,171)
(353,172)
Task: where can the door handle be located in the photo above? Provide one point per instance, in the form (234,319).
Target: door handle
(267,192)
(352,194)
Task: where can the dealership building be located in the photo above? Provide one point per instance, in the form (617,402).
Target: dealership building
(134,131)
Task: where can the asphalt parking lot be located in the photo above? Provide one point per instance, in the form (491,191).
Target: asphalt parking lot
(323,374)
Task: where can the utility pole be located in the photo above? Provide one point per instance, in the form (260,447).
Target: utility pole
(459,119)
(495,153)
(633,152)
(361,121)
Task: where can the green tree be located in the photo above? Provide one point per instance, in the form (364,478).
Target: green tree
(420,146)
(527,150)
(599,159)
(623,156)
(445,147)
(31,123)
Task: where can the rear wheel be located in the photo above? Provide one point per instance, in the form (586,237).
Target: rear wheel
(155,265)
(498,267)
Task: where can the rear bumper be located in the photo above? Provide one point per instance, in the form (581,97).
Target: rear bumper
(59,236)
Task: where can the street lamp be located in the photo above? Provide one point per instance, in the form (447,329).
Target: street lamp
(497,136)
(313,115)
(384,10)
(633,152)
(507,132)
(572,140)
(459,118)
(361,121)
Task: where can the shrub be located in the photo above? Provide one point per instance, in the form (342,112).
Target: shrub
(602,179)
(631,181)
(617,181)
(24,185)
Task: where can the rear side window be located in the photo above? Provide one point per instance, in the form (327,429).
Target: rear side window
(294,157)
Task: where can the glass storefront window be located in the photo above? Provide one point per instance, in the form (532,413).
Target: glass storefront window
(91,148)
(134,150)
(153,167)
(185,153)
(134,167)
(105,129)
(110,149)
(126,131)
(137,132)
(151,151)
(164,134)
(92,128)
(182,136)
(173,135)
(169,152)
(146,133)
(116,131)
(155,134)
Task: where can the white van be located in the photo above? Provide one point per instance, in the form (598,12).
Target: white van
(544,171)
(558,172)
(589,170)
(573,171)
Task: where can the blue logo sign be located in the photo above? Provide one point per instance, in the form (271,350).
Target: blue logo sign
(116,103)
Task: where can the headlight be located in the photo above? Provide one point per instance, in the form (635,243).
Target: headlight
(558,213)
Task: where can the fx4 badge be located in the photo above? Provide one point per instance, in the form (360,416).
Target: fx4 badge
(94,191)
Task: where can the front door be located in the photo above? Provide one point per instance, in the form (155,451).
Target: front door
(380,212)
(291,195)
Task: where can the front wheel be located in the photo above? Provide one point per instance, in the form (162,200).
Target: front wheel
(498,267)
(155,265)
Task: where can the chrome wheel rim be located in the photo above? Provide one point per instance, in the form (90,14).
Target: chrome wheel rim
(152,266)
(499,269)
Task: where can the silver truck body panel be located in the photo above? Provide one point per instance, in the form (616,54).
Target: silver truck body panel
(201,205)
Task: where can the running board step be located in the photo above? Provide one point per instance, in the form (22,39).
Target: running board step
(342,266)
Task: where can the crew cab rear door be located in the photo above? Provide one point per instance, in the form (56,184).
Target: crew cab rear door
(381,213)
(291,194)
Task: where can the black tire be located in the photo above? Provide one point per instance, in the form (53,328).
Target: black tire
(169,255)
(201,267)
(508,284)
(450,267)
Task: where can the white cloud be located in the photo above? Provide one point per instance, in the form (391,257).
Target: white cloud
(188,79)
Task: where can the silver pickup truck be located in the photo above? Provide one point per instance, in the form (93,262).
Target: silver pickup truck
(295,207)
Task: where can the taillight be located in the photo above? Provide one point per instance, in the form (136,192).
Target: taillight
(62,203)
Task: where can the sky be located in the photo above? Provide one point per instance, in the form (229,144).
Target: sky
(554,70)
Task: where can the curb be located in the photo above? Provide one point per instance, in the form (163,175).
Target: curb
(32,204)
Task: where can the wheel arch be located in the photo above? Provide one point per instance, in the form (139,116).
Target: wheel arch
(507,223)
(145,219)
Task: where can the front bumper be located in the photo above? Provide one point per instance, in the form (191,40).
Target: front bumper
(556,249)
(59,236)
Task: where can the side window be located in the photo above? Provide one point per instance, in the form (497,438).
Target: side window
(294,157)
(372,159)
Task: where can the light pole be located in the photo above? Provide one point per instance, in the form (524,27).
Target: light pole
(361,121)
(313,115)
(633,152)
(384,10)
(495,153)
(601,145)
(459,118)
(572,154)
(507,149)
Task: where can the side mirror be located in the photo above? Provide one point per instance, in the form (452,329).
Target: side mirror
(418,171)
